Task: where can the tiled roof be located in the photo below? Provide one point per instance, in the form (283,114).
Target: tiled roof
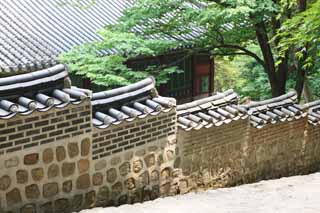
(34,32)
(212,111)
(282,108)
(128,103)
(313,112)
(38,91)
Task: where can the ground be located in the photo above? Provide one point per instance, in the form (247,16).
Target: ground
(286,195)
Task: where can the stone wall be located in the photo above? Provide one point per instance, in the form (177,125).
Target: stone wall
(312,147)
(213,157)
(239,153)
(56,161)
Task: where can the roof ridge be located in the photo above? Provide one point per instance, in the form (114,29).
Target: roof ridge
(291,95)
(228,95)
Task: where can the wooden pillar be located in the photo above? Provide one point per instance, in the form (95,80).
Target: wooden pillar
(193,76)
(211,81)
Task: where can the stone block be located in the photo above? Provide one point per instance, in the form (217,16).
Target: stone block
(32,191)
(77,201)
(97,179)
(47,156)
(150,160)
(100,165)
(111,175)
(13,197)
(11,162)
(31,159)
(37,174)
(67,186)
(73,150)
(50,189)
(124,169)
(130,183)
(83,165)
(29,208)
(83,182)
(68,169)
(62,206)
(22,176)
(60,153)
(116,189)
(103,197)
(5,182)
(85,147)
(90,199)
(137,166)
(53,171)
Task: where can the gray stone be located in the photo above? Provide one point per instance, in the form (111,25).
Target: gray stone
(165,174)
(115,161)
(12,162)
(53,171)
(37,174)
(83,165)
(32,191)
(29,208)
(68,169)
(67,186)
(137,166)
(13,197)
(5,182)
(90,199)
(77,202)
(22,176)
(128,155)
(100,165)
(155,192)
(154,176)
(152,148)
(116,189)
(123,200)
(111,175)
(47,155)
(50,189)
(130,183)
(124,169)
(103,196)
(83,182)
(85,147)
(46,208)
(73,150)
(62,205)
(60,153)
(31,159)
(144,179)
(97,179)
(140,152)
(150,160)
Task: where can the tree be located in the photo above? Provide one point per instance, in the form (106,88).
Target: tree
(303,33)
(222,27)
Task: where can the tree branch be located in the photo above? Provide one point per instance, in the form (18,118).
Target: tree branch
(244,50)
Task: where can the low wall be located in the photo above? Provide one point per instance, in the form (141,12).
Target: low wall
(56,161)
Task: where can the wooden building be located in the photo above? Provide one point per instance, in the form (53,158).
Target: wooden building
(35,33)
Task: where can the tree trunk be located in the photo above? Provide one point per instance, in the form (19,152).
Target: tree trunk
(301,72)
(277,78)
(306,91)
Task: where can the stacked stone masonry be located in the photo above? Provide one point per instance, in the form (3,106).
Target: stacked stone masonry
(61,160)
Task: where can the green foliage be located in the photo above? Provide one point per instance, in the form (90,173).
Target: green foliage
(104,61)
(303,32)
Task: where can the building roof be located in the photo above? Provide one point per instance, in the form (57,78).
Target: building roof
(313,112)
(279,109)
(212,111)
(35,32)
(128,103)
(38,91)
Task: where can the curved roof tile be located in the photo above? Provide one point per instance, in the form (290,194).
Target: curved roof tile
(279,109)
(128,103)
(212,111)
